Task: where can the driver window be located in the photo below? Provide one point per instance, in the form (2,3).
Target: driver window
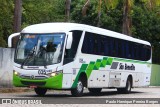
(70,53)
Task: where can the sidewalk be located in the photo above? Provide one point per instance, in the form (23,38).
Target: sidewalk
(14,90)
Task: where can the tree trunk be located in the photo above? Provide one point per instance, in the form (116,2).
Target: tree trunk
(17,15)
(67,10)
(85,7)
(126,18)
(99,13)
(17,20)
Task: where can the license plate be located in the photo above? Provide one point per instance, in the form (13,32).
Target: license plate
(32,86)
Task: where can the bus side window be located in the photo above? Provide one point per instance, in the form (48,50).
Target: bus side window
(116,48)
(148,52)
(90,42)
(141,52)
(127,49)
(123,49)
(137,51)
(104,46)
(99,45)
(107,46)
(120,48)
(70,53)
(132,50)
(95,44)
(111,46)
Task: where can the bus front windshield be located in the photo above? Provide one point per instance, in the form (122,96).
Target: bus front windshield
(40,49)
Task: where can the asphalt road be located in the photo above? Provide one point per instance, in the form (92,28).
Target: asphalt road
(65,97)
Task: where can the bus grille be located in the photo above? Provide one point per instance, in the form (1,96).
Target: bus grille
(33,83)
(35,77)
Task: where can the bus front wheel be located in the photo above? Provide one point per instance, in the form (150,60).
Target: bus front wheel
(78,91)
(40,91)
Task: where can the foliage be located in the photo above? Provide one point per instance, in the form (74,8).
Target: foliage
(6,20)
(146,27)
(38,11)
(110,19)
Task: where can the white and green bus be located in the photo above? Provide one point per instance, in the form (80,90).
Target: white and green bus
(69,56)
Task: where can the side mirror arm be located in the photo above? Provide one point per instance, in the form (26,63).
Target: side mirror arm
(10,38)
(69,40)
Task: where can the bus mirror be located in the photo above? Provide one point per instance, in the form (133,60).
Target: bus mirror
(69,40)
(10,39)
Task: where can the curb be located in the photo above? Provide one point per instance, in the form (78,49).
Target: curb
(14,90)
(154,86)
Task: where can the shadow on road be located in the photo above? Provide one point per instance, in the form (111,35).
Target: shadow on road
(86,94)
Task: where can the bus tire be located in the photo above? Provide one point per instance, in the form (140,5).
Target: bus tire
(128,87)
(95,90)
(40,91)
(78,91)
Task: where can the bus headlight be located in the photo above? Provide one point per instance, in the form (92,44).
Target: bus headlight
(16,73)
(55,73)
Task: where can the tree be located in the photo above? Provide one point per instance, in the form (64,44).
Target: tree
(145,26)
(127,8)
(85,7)
(17,15)
(151,4)
(6,21)
(127,20)
(17,19)
(67,10)
(106,3)
(109,4)
(38,11)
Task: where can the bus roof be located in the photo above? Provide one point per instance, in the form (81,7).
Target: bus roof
(65,27)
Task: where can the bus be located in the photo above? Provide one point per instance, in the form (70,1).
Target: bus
(70,56)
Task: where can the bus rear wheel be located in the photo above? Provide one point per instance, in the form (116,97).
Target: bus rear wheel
(40,91)
(78,91)
(95,90)
(128,87)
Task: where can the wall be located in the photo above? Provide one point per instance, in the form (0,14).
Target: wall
(6,63)
(155,75)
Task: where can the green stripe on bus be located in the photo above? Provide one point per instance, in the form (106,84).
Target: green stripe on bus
(104,62)
(109,61)
(101,63)
(82,69)
(88,68)
(130,60)
(97,64)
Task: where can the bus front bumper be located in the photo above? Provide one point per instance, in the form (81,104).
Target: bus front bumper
(51,83)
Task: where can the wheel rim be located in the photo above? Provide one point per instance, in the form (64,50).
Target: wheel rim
(79,86)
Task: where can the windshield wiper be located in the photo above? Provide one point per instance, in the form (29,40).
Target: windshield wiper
(29,56)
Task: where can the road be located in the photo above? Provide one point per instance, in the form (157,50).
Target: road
(65,97)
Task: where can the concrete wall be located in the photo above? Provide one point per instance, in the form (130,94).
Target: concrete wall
(155,75)
(6,69)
